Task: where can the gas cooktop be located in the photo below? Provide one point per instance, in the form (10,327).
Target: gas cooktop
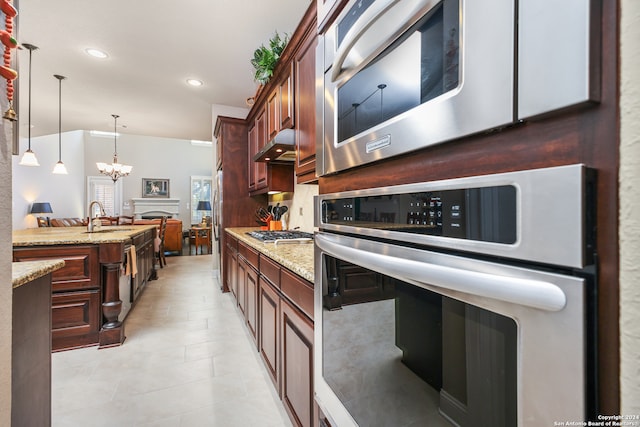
(274,236)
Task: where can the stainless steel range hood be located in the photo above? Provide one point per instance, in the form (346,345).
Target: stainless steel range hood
(282,148)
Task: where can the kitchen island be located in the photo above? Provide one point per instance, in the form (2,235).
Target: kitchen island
(104,272)
(31,342)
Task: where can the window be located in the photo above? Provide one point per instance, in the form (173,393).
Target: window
(200,191)
(104,190)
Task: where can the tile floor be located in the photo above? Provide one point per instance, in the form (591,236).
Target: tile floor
(187,361)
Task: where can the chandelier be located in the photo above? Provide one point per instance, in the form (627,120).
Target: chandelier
(115,170)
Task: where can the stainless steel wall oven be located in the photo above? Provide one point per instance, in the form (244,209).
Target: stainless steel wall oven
(464,302)
(400,75)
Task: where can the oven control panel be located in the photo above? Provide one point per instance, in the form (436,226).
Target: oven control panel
(485,214)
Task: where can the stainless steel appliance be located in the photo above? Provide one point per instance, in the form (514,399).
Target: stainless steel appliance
(400,75)
(266,236)
(465,302)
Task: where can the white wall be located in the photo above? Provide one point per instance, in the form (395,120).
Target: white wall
(152,157)
(629,193)
(38,184)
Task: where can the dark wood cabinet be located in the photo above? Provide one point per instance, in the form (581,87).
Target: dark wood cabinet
(268,337)
(85,294)
(305,95)
(287,102)
(238,207)
(231,264)
(286,111)
(242,286)
(251,313)
(261,140)
(277,305)
(31,353)
(273,114)
(76,295)
(248,261)
(253,149)
(297,364)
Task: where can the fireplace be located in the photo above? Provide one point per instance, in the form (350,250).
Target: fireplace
(155,208)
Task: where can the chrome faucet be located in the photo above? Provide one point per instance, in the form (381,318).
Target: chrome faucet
(90,224)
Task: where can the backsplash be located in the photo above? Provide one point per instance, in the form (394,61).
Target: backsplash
(300,205)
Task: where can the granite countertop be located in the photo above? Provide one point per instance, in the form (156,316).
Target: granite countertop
(45,236)
(28,271)
(297,257)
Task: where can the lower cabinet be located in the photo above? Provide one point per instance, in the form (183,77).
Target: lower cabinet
(31,354)
(297,364)
(269,308)
(277,306)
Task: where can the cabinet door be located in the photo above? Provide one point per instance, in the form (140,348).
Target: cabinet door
(296,347)
(219,151)
(261,138)
(287,101)
(231,268)
(253,149)
(75,319)
(273,120)
(251,312)
(242,279)
(269,309)
(305,95)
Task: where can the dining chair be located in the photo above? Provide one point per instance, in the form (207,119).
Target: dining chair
(198,237)
(161,232)
(125,220)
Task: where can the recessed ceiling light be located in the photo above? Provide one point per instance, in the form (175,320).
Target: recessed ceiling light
(194,82)
(96,53)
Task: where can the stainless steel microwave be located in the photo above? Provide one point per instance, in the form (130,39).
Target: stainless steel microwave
(399,75)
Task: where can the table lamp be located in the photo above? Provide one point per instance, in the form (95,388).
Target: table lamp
(204,205)
(41,208)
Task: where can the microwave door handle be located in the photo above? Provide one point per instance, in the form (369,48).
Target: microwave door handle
(406,13)
(525,292)
(368,17)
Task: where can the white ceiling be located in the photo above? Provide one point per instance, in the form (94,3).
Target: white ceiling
(153,47)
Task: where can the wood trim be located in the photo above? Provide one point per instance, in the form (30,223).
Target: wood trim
(306,25)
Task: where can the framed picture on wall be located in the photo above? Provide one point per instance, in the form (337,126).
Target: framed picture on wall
(155,187)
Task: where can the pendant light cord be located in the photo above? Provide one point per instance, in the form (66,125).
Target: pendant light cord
(59,117)
(31,49)
(115,135)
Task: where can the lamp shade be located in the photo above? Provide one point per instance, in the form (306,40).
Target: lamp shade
(44,207)
(203,205)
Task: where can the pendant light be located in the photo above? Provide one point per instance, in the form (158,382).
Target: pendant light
(115,170)
(29,158)
(60,168)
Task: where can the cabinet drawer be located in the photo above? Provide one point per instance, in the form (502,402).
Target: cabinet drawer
(232,243)
(250,254)
(75,319)
(81,268)
(270,270)
(298,290)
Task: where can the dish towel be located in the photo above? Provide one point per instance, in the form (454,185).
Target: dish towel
(132,263)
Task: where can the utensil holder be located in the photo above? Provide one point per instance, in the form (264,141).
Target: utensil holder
(275,225)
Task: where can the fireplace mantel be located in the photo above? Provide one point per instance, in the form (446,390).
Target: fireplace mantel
(155,207)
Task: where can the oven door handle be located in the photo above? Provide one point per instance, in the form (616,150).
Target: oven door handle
(526,292)
(400,14)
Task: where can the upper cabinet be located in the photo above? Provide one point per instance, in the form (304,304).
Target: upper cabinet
(282,121)
(305,95)
(280,105)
